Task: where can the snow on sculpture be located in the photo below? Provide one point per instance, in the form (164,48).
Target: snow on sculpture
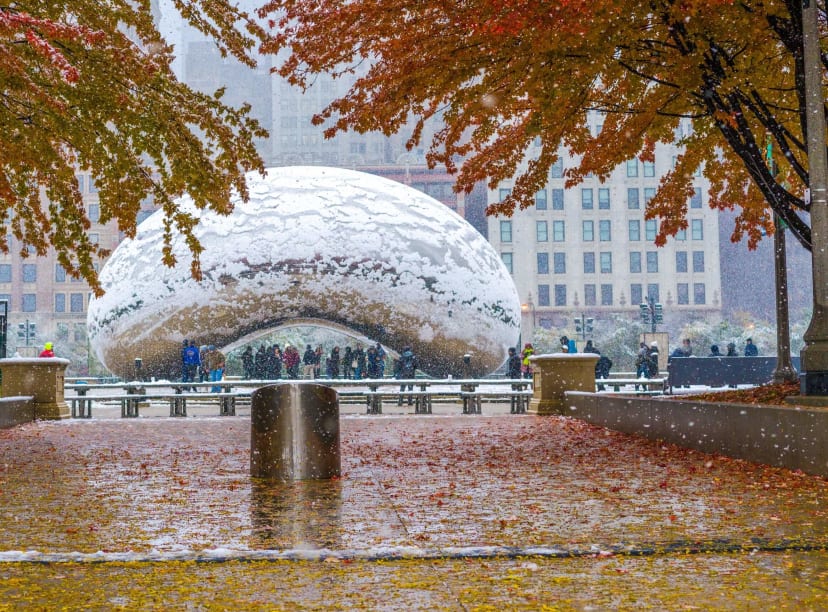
(328,246)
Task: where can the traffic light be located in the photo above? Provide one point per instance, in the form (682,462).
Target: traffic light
(588,325)
(659,314)
(579,325)
(26,332)
(645,313)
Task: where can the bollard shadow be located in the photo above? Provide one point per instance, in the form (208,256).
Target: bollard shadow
(303,514)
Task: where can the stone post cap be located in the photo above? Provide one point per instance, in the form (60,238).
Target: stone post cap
(565,356)
(33,361)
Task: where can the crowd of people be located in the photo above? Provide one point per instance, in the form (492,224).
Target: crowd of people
(273,362)
(207,363)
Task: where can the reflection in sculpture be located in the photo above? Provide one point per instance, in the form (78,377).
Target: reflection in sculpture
(327,246)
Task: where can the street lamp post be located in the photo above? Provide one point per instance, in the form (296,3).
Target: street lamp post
(814,355)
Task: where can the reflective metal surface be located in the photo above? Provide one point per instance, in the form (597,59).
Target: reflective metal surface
(294,432)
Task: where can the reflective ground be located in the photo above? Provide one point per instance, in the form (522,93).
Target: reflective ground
(431,512)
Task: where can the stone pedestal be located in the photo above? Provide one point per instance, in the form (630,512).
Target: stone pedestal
(556,373)
(41,378)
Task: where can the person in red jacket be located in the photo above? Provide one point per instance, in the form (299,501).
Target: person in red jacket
(47,350)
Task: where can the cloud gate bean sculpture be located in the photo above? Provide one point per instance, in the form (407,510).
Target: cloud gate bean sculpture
(324,246)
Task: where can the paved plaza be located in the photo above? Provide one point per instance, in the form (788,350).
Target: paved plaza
(447,512)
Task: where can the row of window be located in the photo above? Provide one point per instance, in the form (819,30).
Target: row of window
(606,294)
(28,302)
(632,167)
(605,262)
(28,273)
(634,199)
(604,231)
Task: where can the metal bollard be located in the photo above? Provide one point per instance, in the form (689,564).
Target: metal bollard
(294,432)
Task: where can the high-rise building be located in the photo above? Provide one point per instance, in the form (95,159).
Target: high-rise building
(589,249)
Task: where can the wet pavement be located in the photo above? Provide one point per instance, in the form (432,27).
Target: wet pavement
(431,512)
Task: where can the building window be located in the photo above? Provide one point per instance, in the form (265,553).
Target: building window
(5,273)
(635,262)
(698,293)
(60,274)
(507,260)
(560,295)
(79,332)
(606,262)
(505,231)
(543,295)
(541,231)
(698,261)
(543,263)
(683,294)
(540,200)
(696,198)
(586,199)
(605,231)
(650,230)
(560,263)
(652,292)
(79,178)
(93,187)
(589,263)
(503,193)
(28,302)
(604,198)
(636,294)
(76,302)
(652,262)
(681,235)
(556,170)
(29,273)
(632,167)
(649,169)
(94,213)
(632,198)
(606,294)
(696,229)
(588,230)
(589,295)
(681,261)
(557,199)
(60,302)
(649,194)
(558,231)
(634,230)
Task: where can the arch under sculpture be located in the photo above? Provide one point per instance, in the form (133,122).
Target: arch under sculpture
(334,246)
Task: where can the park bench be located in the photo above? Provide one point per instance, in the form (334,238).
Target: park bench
(473,400)
(81,405)
(720,371)
(649,386)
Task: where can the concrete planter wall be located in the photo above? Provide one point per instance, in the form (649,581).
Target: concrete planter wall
(15,411)
(40,378)
(792,438)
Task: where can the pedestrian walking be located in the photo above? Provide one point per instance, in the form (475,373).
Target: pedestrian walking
(248,364)
(407,371)
(192,362)
(308,363)
(347,363)
(525,364)
(291,359)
